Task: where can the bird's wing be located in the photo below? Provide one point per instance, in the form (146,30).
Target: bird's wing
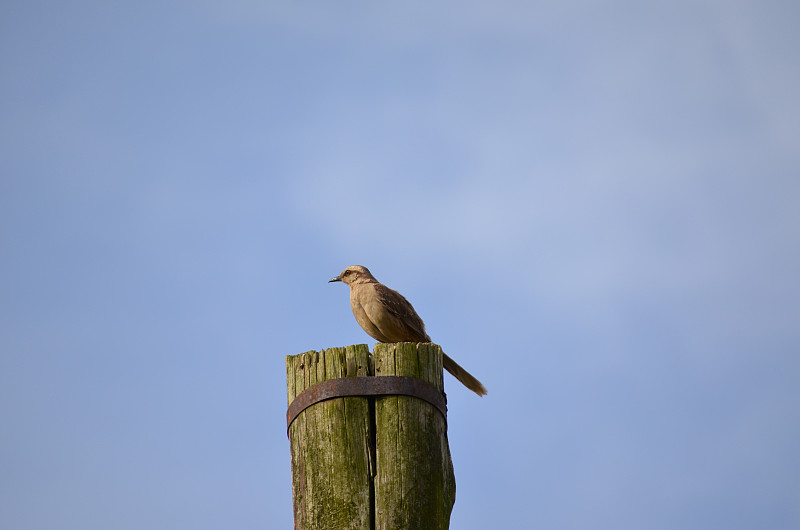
(395,316)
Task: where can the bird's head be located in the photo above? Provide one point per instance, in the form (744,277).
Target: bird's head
(354,274)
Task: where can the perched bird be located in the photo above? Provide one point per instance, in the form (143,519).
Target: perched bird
(388,317)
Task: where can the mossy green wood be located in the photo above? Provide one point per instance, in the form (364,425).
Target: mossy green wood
(330,444)
(415,485)
(370,463)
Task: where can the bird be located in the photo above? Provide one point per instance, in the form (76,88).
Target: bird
(387,316)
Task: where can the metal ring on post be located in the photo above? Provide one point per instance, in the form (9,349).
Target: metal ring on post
(386,385)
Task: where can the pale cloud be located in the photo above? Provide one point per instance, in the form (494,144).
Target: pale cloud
(619,184)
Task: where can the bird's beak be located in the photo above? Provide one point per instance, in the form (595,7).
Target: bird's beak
(336,279)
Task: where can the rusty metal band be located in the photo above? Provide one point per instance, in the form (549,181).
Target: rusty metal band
(386,385)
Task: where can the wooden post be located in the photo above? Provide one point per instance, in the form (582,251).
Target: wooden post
(371,463)
(330,444)
(415,486)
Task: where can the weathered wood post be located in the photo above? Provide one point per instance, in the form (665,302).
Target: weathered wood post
(369,452)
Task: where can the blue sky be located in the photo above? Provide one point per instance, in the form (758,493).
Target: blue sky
(593,207)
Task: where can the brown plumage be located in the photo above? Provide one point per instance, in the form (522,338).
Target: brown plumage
(387,316)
